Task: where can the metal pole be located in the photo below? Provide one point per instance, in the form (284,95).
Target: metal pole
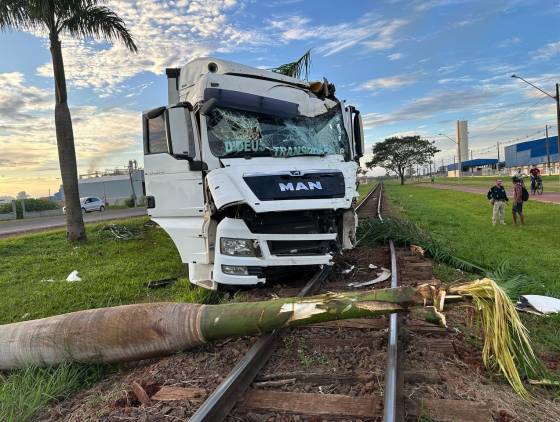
(547,151)
(558,124)
(498,147)
(454,164)
(459,149)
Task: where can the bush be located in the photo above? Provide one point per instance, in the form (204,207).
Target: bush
(30,205)
(130,203)
(5,208)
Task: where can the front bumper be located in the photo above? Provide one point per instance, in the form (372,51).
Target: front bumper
(236,228)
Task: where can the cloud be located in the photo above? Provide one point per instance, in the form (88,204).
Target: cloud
(18,100)
(508,42)
(29,159)
(426,107)
(167,34)
(547,52)
(391,82)
(395,56)
(424,5)
(371,32)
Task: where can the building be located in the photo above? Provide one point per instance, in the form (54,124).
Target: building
(112,186)
(539,151)
(477,167)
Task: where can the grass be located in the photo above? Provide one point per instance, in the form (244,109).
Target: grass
(550,183)
(364,188)
(23,393)
(33,271)
(461,222)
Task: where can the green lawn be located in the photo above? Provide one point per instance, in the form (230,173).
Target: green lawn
(363,189)
(462,221)
(33,271)
(550,183)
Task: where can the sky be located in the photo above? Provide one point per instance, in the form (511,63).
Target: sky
(410,67)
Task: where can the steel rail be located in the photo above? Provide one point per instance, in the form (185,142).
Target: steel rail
(363,201)
(224,398)
(391,412)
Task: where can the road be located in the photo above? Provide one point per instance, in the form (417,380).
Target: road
(14,227)
(549,197)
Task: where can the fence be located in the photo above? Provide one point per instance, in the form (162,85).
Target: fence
(9,215)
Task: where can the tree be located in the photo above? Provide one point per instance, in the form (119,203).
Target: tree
(397,154)
(79,19)
(22,195)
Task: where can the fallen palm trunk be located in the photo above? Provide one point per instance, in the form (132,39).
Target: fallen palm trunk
(133,332)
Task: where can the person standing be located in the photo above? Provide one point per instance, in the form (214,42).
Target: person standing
(517,208)
(498,198)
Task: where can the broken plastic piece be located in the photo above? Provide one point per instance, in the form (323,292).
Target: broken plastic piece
(73,276)
(382,276)
(347,270)
(372,267)
(538,304)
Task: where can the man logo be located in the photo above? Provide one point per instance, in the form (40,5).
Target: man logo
(300,186)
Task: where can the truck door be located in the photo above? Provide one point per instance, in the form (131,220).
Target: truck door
(174,189)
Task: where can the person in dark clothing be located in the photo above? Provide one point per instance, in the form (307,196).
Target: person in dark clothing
(517,207)
(498,198)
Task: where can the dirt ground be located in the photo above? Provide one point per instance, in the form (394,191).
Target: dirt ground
(456,369)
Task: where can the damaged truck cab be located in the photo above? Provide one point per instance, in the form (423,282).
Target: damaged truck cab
(250,171)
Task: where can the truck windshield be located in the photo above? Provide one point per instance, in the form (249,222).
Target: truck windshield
(237,133)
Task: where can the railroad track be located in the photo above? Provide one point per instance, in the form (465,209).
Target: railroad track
(221,402)
(341,370)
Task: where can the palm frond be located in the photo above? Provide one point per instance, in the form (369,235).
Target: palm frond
(20,15)
(296,69)
(96,22)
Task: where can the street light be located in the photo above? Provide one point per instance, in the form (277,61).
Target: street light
(556,98)
(458,153)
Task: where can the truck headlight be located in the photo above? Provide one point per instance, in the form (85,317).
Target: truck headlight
(235,270)
(239,247)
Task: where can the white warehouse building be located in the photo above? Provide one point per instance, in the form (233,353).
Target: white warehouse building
(113,187)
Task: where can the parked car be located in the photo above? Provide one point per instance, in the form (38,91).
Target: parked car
(90,203)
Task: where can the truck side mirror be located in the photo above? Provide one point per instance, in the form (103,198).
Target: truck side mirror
(358,134)
(180,132)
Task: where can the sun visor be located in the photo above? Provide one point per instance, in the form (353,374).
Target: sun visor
(250,102)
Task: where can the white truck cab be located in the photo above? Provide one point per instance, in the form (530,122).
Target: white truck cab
(250,171)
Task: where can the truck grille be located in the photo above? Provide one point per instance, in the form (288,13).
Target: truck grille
(299,247)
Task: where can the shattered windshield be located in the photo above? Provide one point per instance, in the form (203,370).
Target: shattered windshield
(237,133)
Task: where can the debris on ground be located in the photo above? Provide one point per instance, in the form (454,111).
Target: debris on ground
(121,232)
(73,276)
(417,250)
(347,270)
(156,284)
(382,276)
(540,305)
(372,267)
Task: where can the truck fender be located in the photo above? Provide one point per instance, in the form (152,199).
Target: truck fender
(223,190)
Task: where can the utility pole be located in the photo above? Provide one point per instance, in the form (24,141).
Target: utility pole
(454,164)
(458,132)
(498,165)
(547,151)
(557,98)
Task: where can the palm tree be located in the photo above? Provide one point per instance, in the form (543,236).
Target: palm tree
(79,19)
(296,69)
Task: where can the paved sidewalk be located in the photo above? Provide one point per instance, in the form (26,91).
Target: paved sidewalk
(549,197)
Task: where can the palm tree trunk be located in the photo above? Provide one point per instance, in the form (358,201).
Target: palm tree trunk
(75,229)
(132,332)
